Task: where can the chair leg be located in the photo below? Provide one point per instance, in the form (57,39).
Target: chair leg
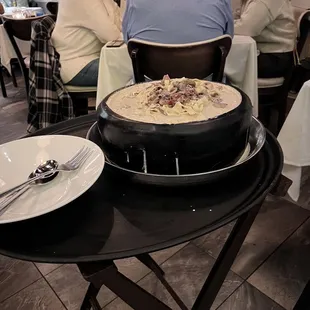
(264,114)
(80,105)
(13,76)
(3,89)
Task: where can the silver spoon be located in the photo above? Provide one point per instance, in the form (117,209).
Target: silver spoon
(51,167)
(45,172)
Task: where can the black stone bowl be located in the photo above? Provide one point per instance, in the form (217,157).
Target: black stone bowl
(198,146)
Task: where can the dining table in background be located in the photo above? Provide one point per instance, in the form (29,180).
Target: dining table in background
(115,69)
(7,52)
(294,139)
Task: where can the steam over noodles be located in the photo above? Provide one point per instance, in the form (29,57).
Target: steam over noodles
(173,101)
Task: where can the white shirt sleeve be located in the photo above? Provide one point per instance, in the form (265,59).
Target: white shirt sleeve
(103,18)
(254,19)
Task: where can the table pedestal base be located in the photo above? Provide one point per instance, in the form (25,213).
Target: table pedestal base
(106,273)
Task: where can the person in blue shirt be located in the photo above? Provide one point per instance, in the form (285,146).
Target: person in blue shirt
(177,21)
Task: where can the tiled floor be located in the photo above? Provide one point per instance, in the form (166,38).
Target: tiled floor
(270,272)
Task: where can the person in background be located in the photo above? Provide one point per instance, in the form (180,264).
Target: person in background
(82,28)
(177,22)
(271,23)
(18,3)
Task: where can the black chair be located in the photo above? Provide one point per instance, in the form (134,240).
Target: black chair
(195,60)
(52,7)
(302,71)
(21,29)
(2,84)
(272,97)
(12,63)
(303,31)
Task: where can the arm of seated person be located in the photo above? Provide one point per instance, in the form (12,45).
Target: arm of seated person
(253,20)
(104,20)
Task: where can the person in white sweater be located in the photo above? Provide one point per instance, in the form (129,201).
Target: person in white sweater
(82,28)
(271,23)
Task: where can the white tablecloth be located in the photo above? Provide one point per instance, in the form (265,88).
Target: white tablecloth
(115,69)
(6,49)
(294,139)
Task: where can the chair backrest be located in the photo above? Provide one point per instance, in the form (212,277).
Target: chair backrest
(194,60)
(20,29)
(303,30)
(52,7)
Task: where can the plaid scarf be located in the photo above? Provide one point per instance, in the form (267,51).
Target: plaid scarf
(49,102)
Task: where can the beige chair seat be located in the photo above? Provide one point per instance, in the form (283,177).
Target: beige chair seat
(270,83)
(81,89)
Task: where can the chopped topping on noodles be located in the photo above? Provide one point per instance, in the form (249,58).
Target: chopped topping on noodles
(181,96)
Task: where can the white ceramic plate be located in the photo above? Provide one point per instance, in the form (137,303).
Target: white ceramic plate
(19,158)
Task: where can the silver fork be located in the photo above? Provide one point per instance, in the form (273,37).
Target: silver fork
(73,164)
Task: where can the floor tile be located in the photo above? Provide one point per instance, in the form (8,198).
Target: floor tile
(247,297)
(135,270)
(14,94)
(284,275)
(304,198)
(277,219)
(16,107)
(47,268)
(37,296)
(15,275)
(70,286)
(13,112)
(11,130)
(214,241)
(186,272)
(18,112)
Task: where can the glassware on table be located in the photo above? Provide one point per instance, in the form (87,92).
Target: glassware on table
(18,13)
(21,13)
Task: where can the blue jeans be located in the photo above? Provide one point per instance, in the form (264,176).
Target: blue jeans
(88,76)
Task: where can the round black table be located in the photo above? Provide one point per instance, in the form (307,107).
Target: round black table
(116,219)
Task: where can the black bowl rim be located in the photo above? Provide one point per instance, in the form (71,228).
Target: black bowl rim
(245,100)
